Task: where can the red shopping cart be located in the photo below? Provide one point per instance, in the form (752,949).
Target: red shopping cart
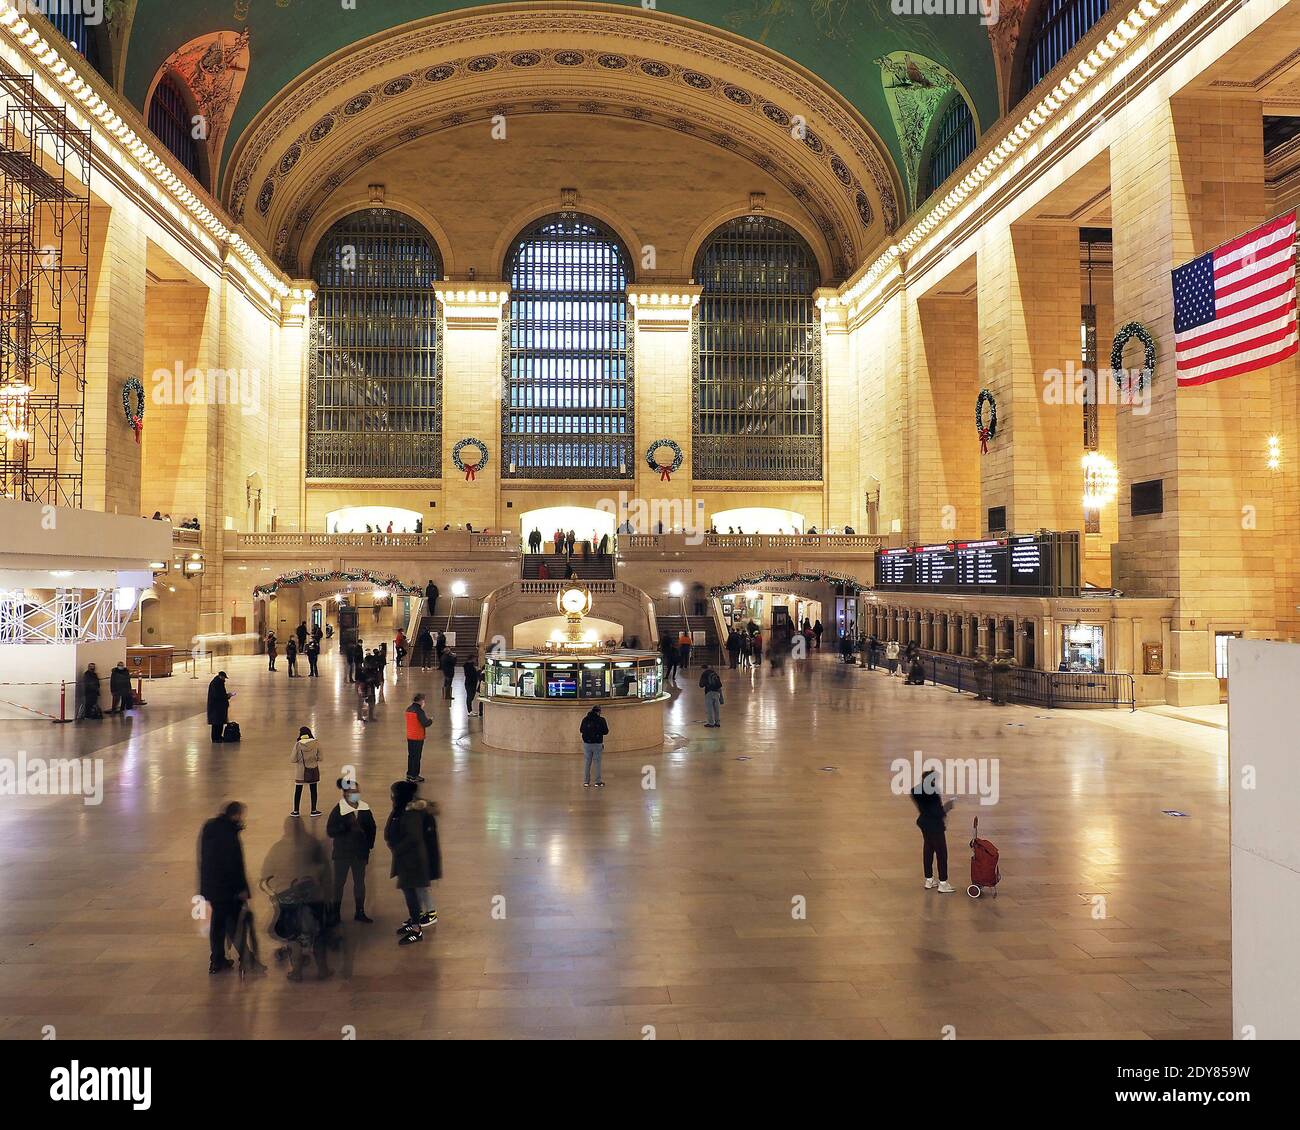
(984,870)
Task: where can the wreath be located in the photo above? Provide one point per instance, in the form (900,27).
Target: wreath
(990,432)
(471,469)
(134,416)
(1125,333)
(665,469)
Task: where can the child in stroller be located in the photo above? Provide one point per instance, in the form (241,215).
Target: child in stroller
(300,919)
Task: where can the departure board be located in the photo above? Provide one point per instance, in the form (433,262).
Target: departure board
(1021,565)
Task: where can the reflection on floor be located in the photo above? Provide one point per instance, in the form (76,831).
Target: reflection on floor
(631,911)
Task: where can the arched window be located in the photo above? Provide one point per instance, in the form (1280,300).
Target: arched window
(1060,25)
(954,141)
(567,407)
(73,27)
(757,350)
(374,401)
(172,124)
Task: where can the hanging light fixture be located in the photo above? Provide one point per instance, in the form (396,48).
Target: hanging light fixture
(14,407)
(1100,480)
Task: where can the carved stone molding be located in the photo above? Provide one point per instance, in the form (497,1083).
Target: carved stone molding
(464,50)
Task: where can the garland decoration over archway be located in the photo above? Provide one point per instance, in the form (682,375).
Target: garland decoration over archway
(134,414)
(990,431)
(470,469)
(351,576)
(851,585)
(665,469)
(1123,335)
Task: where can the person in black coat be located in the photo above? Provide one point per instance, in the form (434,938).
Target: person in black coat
(439,647)
(351,825)
(302,635)
(411,833)
(933,811)
(313,657)
(218,706)
(447,663)
(119,683)
(222,881)
(472,678)
(291,654)
(90,707)
(431,598)
(424,645)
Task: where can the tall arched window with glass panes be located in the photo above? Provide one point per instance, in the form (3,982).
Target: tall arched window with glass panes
(757,363)
(1060,24)
(374,394)
(954,141)
(567,406)
(172,123)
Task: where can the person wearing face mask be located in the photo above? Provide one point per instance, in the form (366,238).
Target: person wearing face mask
(351,825)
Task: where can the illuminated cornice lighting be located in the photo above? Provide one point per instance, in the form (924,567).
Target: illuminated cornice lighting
(1274,453)
(59,73)
(1116,42)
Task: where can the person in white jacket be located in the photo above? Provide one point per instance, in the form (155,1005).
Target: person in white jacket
(306,759)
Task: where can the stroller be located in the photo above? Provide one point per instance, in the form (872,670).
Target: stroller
(984,870)
(300,919)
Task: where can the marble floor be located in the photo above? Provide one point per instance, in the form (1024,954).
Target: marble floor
(767,886)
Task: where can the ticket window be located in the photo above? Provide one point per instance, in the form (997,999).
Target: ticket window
(1083,648)
(594,681)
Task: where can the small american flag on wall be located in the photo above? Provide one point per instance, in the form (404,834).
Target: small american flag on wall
(1235,306)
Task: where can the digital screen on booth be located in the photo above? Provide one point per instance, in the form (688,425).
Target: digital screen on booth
(994,564)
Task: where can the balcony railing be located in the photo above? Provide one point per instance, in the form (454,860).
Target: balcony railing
(458,540)
(748,543)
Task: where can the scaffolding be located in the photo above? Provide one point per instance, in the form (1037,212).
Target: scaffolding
(45,166)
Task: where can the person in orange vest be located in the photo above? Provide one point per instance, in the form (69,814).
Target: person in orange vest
(684,651)
(417,723)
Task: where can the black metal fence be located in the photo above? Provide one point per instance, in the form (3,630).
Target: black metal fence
(1035,688)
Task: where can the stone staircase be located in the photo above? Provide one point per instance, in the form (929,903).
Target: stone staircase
(591,568)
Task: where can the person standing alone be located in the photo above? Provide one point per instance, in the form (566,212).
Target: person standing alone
(417,724)
(222,881)
(218,706)
(593,729)
(351,825)
(933,811)
(711,684)
(306,759)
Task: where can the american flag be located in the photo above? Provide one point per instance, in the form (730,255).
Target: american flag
(1235,306)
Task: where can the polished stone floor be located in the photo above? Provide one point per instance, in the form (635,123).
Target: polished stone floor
(628,911)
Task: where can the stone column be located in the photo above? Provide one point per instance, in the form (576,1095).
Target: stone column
(289,461)
(1190,179)
(1028,287)
(114,352)
(472,327)
(662,377)
(842,503)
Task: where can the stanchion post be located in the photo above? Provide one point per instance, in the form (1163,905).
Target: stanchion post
(63,718)
(139,691)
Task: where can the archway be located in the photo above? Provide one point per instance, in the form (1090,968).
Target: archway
(759,520)
(584,521)
(355,519)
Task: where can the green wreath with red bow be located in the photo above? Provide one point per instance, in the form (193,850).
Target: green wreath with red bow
(134,413)
(989,431)
(470,469)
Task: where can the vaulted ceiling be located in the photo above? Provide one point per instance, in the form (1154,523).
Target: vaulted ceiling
(839,41)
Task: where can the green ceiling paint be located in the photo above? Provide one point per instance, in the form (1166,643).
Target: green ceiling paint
(836,39)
